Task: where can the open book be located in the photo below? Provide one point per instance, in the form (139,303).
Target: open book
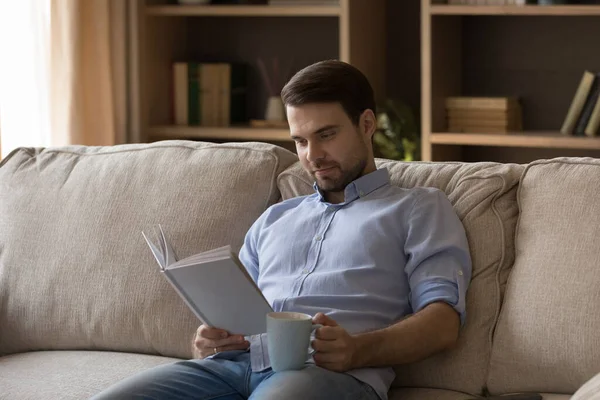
(215,286)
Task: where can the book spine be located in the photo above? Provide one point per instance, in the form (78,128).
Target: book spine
(482,103)
(588,108)
(477,129)
(482,114)
(577,104)
(481,122)
(215,87)
(184,297)
(180,95)
(592,127)
(208,82)
(194,103)
(225,93)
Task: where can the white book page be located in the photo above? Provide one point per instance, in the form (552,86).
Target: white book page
(207,256)
(167,249)
(160,259)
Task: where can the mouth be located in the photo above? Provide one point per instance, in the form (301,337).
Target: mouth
(323,170)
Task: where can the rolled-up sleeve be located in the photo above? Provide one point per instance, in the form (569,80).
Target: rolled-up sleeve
(438,261)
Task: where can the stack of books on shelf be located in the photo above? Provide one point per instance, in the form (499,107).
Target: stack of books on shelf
(484,114)
(489,2)
(583,116)
(209,94)
(304,2)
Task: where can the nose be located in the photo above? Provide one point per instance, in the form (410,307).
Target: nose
(314,152)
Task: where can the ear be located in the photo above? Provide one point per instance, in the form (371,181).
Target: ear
(368,124)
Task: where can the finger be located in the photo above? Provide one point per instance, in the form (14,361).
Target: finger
(206,352)
(325,346)
(239,346)
(212,333)
(323,319)
(329,333)
(234,339)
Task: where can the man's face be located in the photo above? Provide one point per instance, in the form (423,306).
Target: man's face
(331,148)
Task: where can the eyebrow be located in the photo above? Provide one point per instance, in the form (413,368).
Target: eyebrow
(318,131)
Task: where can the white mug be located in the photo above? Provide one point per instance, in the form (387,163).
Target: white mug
(288,339)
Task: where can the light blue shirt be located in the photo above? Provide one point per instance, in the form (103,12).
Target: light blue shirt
(384,253)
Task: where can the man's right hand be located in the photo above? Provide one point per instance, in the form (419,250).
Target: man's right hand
(210,341)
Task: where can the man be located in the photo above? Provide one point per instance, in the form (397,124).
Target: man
(384,269)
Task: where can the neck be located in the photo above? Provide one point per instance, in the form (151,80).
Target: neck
(334,197)
(339,196)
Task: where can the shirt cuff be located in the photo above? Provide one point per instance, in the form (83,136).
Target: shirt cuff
(434,290)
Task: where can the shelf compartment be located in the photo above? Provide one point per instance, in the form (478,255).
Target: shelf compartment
(553,140)
(558,10)
(221,133)
(244,11)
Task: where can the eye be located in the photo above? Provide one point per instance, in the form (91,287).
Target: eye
(301,142)
(328,134)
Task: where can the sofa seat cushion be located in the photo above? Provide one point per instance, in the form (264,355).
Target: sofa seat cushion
(439,394)
(547,335)
(426,394)
(75,271)
(68,374)
(590,390)
(484,197)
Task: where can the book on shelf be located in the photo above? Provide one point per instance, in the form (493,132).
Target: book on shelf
(588,107)
(593,126)
(502,115)
(484,114)
(304,2)
(209,94)
(488,2)
(581,117)
(481,103)
(215,286)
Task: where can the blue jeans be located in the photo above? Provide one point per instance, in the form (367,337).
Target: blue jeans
(233,379)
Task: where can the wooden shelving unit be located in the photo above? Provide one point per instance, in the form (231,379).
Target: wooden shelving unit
(162,33)
(550,140)
(244,11)
(222,133)
(536,52)
(531,10)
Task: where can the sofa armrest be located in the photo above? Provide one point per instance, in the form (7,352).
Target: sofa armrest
(589,391)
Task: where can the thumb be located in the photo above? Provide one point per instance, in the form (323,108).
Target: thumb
(324,320)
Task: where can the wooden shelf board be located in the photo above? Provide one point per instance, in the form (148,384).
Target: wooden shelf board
(558,10)
(244,11)
(221,133)
(518,139)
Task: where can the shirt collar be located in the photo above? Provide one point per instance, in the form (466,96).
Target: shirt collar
(361,186)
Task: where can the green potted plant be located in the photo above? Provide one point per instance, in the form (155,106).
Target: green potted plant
(397,136)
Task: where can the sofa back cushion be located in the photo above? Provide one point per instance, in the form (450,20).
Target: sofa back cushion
(75,271)
(548,334)
(483,195)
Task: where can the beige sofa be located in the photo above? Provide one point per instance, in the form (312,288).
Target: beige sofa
(83,305)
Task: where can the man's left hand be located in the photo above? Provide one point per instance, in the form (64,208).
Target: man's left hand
(335,348)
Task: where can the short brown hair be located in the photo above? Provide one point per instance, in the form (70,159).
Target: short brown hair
(331,81)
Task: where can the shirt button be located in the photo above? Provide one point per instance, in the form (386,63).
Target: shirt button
(361,193)
(318,238)
(305,271)
(460,273)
